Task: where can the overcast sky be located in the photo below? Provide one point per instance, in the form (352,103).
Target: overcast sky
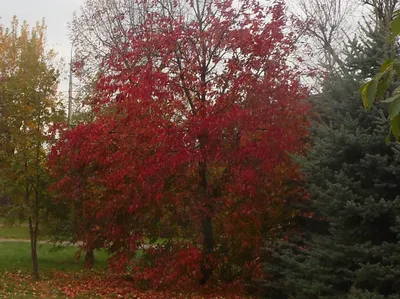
(57,14)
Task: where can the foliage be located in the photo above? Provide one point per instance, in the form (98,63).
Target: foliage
(380,87)
(194,134)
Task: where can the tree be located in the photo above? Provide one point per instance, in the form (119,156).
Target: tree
(195,130)
(328,23)
(100,27)
(352,183)
(28,107)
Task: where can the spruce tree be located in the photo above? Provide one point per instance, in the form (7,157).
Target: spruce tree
(353,181)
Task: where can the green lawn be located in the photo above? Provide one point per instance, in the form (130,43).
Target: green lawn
(16,256)
(63,276)
(16,266)
(14,232)
(59,270)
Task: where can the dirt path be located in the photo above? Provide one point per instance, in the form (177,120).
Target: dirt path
(14,240)
(9,240)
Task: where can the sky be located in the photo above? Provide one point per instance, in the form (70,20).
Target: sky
(57,14)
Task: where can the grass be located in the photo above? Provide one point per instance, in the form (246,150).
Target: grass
(14,232)
(22,232)
(63,276)
(16,256)
(16,266)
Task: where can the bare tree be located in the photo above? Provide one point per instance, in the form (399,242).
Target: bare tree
(328,24)
(102,25)
(97,29)
(382,9)
(382,12)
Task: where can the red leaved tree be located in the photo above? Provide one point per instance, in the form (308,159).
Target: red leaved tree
(195,119)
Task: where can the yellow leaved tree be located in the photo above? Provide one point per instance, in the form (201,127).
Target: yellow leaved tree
(29,105)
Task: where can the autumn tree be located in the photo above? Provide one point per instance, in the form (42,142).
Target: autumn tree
(28,108)
(195,116)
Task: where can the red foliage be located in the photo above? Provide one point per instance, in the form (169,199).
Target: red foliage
(194,123)
(161,269)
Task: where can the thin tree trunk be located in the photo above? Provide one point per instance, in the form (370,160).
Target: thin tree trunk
(206,221)
(89,258)
(33,237)
(33,226)
(34,221)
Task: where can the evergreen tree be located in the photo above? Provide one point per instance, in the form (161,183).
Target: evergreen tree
(352,177)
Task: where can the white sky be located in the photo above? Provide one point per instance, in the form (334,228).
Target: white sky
(57,14)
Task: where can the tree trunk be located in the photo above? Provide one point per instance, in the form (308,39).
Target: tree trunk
(208,247)
(33,237)
(206,221)
(89,258)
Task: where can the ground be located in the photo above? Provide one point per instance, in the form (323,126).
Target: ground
(62,274)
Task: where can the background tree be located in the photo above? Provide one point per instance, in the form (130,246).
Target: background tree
(328,24)
(100,27)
